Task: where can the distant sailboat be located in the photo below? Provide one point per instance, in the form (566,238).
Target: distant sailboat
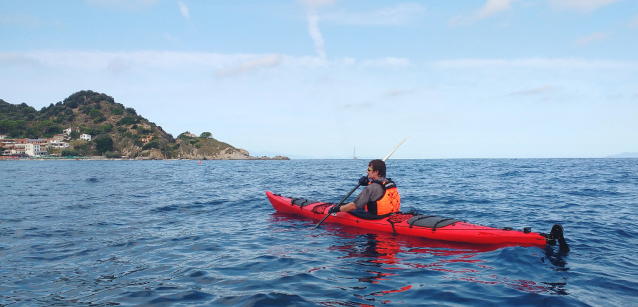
(354,155)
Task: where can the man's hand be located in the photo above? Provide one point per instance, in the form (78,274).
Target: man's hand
(334,209)
(364,181)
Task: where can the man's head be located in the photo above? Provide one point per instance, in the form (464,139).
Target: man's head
(376,168)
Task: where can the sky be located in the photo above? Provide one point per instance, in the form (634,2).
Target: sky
(319,78)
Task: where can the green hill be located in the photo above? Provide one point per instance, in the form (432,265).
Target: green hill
(115,129)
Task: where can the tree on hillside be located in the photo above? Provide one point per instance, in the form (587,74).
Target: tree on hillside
(103,143)
(95,113)
(206,135)
(74,135)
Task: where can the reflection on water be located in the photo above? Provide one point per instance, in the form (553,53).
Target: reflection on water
(382,258)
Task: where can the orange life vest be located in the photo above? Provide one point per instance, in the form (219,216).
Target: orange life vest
(388,203)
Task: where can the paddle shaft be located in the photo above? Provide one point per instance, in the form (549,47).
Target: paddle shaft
(358,185)
(339,204)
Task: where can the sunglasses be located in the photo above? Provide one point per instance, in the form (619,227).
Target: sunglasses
(369,168)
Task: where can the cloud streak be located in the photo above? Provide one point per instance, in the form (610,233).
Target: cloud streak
(580,5)
(490,8)
(535,63)
(595,37)
(315,34)
(184,9)
(313,24)
(267,61)
(238,63)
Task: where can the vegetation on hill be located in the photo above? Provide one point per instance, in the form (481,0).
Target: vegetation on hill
(115,129)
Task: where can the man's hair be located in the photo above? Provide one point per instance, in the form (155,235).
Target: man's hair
(378,165)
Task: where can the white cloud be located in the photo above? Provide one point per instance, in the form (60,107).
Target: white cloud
(179,91)
(183,9)
(226,64)
(97,61)
(313,24)
(580,5)
(270,60)
(533,91)
(491,7)
(535,63)
(118,64)
(315,34)
(595,37)
(397,15)
(386,16)
(17,59)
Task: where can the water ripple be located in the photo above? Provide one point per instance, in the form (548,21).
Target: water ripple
(174,233)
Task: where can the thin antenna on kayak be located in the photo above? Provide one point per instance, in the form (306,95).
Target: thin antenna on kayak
(395,148)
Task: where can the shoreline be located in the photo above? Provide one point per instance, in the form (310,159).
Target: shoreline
(127,159)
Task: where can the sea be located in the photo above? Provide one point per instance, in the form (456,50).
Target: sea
(185,233)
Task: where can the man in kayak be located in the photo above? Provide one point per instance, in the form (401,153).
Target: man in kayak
(380,195)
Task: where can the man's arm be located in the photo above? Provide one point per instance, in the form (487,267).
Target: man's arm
(348,207)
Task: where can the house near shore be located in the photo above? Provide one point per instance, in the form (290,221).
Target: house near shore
(8,143)
(35,150)
(86,137)
(14,152)
(31,147)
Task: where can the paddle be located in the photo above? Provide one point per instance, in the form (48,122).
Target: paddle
(358,185)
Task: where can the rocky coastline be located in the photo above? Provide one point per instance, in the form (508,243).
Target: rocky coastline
(91,124)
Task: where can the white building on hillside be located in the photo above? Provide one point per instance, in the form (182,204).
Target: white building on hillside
(58,144)
(86,137)
(35,150)
(67,131)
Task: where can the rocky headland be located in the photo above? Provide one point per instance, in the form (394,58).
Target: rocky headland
(93,124)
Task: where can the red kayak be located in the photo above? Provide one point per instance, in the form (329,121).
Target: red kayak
(426,226)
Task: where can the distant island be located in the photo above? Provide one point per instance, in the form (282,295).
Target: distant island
(90,124)
(625,155)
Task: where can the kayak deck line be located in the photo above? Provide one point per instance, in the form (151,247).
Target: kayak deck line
(414,224)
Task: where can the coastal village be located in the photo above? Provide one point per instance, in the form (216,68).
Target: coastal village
(91,125)
(51,147)
(37,148)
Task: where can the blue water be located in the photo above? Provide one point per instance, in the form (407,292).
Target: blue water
(177,233)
